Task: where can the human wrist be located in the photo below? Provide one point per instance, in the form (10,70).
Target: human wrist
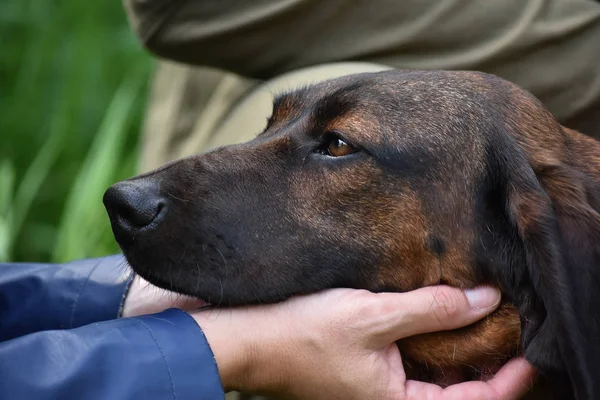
(230,346)
(249,348)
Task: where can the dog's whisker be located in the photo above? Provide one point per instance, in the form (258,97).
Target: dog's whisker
(198,277)
(183,254)
(224,260)
(255,295)
(170,276)
(177,198)
(221,294)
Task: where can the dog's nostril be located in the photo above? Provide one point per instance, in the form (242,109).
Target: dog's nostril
(132,205)
(138,216)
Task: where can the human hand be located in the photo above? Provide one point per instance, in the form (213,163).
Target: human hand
(339,344)
(144,298)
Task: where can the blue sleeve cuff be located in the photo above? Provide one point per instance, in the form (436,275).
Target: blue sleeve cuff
(188,359)
(102,291)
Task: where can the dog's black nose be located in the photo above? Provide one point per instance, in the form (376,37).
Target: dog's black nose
(133,205)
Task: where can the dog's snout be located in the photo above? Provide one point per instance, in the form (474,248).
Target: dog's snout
(133,205)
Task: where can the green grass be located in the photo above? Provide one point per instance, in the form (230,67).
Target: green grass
(73,85)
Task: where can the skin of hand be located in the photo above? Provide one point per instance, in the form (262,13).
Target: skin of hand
(144,298)
(337,344)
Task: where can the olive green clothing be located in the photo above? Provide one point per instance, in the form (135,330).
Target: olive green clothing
(176,127)
(550,47)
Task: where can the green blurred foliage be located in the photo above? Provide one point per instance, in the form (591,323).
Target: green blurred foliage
(73,83)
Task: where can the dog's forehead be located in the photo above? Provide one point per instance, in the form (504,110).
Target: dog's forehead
(409,89)
(415,103)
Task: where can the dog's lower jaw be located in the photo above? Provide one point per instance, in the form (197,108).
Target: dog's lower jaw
(478,348)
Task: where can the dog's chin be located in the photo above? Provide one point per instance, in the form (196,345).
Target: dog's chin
(164,282)
(198,282)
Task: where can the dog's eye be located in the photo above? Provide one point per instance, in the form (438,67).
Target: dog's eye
(334,146)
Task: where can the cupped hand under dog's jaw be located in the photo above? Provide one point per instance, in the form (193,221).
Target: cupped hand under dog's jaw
(339,344)
(144,298)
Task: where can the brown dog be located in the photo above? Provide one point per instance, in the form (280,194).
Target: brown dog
(389,182)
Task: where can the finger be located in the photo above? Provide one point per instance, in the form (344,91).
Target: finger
(514,379)
(432,309)
(512,382)
(463,391)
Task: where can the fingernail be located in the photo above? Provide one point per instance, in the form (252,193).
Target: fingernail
(483,298)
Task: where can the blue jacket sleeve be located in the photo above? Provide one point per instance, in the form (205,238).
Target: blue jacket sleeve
(37,297)
(53,344)
(154,357)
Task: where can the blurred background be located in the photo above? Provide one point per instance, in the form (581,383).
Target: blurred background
(73,82)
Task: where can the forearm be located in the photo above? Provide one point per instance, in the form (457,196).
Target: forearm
(38,297)
(162,356)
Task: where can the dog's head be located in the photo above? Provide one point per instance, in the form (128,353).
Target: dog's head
(386,181)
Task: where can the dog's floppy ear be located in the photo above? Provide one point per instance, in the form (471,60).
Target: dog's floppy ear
(554,208)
